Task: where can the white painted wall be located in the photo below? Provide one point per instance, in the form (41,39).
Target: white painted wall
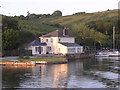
(76,50)
(57,48)
(34,52)
(61,49)
(67,39)
(44,50)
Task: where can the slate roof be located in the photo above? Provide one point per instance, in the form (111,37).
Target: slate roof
(56,33)
(70,44)
(36,43)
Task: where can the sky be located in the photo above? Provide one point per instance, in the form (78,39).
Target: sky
(68,7)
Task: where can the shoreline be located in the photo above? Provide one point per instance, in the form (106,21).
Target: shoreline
(34,61)
(37,61)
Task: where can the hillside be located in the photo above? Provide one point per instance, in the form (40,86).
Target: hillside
(90,29)
(45,24)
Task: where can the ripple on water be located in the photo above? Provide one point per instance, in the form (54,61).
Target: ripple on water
(84,82)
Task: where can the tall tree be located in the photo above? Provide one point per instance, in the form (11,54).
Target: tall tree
(9,23)
(11,39)
(89,35)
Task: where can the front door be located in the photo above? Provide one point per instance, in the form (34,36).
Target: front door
(39,50)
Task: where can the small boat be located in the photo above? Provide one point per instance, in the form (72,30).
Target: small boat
(113,53)
(102,53)
(108,53)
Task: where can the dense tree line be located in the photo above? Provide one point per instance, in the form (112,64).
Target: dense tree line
(56,13)
(12,36)
(97,34)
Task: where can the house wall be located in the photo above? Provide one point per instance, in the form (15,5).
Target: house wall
(34,52)
(57,48)
(51,42)
(44,50)
(68,50)
(61,49)
(67,39)
(72,50)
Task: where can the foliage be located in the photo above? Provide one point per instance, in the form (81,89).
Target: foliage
(89,35)
(101,26)
(57,13)
(26,36)
(9,23)
(11,39)
(97,25)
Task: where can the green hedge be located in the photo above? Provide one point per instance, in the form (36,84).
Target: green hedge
(18,53)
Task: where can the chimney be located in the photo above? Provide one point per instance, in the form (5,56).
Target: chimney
(65,31)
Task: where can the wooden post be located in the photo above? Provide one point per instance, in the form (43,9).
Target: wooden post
(114,37)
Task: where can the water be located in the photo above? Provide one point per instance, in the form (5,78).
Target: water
(89,73)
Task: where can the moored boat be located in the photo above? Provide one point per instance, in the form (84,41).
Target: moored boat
(108,53)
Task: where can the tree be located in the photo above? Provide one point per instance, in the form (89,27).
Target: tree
(89,36)
(9,23)
(26,36)
(11,39)
(57,13)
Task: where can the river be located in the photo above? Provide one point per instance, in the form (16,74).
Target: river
(87,73)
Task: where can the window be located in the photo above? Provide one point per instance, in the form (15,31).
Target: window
(46,40)
(48,49)
(71,50)
(51,40)
(36,49)
(41,49)
(78,50)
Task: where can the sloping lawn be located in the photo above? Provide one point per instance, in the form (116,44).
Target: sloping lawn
(44,59)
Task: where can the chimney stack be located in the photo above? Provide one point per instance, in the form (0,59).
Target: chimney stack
(65,31)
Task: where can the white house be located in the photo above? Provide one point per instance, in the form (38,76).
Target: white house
(36,47)
(60,42)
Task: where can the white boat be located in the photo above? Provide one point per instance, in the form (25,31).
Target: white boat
(102,54)
(114,53)
(108,53)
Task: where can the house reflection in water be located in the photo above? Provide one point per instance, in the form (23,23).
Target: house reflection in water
(54,75)
(75,68)
(59,75)
(41,76)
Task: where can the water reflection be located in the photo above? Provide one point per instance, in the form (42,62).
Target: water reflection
(89,73)
(12,75)
(54,76)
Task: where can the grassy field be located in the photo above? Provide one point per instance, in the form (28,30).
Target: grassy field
(3,60)
(44,25)
(52,59)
